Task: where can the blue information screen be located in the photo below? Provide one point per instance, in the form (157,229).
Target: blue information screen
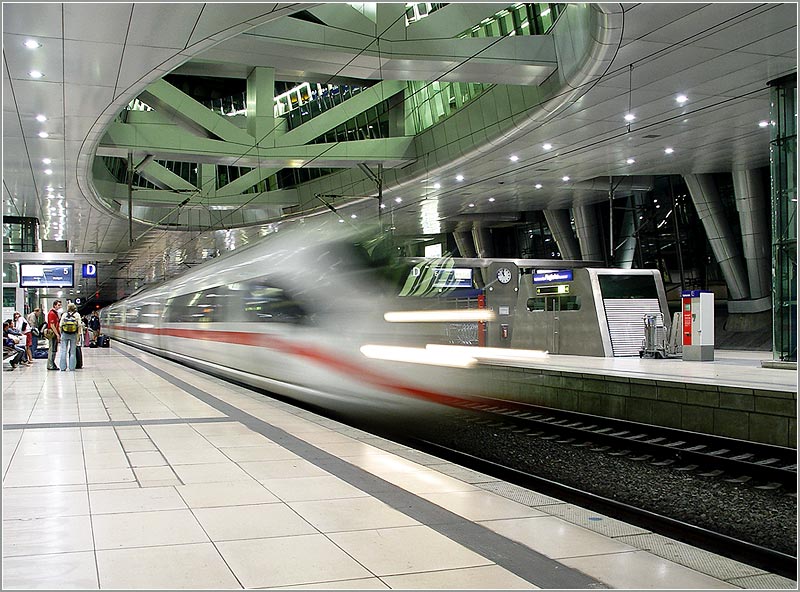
(556,275)
(46,275)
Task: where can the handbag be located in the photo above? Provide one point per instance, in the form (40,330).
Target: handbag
(49,333)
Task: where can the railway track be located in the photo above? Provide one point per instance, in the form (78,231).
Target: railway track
(762,466)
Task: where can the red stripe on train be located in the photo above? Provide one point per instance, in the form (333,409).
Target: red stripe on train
(309,353)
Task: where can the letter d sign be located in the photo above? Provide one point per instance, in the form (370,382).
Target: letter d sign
(89,270)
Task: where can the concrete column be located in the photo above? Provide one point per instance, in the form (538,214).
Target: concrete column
(626,246)
(464,243)
(752,202)
(709,208)
(260,102)
(588,229)
(561,229)
(207,179)
(482,238)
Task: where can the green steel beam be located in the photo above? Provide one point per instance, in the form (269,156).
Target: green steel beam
(155,172)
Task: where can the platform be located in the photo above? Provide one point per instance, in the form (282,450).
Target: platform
(136,472)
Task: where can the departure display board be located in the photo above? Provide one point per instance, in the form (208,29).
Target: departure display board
(452,277)
(46,275)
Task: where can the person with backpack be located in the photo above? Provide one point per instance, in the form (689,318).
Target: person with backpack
(69,326)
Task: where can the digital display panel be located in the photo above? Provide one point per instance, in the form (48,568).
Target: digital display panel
(454,277)
(556,275)
(46,275)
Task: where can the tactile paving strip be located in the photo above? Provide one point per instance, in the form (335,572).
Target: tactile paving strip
(521,495)
(766,581)
(419,457)
(464,474)
(594,521)
(697,559)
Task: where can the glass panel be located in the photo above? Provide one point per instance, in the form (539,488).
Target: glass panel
(628,286)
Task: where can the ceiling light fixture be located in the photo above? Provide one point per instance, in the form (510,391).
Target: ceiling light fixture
(35,74)
(41,118)
(32,44)
(565,178)
(681,99)
(491,199)
(472,205)
(668,151)
(46,161)
(630,161)
(629,117)
(43,134)
(353,216)
(437,185)
(48,171)
(547,146)
(538,186)
(459,177)
(513,158)
(763,123)
(398,199)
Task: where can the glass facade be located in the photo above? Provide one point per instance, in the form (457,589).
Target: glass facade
(783,164)
(20,234)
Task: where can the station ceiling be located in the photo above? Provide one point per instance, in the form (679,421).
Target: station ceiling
(95,58)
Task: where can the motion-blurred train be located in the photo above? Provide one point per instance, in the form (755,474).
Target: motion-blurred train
(311,314)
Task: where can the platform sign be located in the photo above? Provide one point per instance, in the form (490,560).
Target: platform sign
(47,275)
(89,270)
(555,275)
(452,277)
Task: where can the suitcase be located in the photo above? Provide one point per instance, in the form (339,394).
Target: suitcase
(78,358)
(103,341)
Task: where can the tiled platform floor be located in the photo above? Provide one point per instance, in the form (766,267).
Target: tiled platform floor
(136,472)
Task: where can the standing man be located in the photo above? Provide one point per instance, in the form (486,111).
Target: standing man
(53,333)
(94,326)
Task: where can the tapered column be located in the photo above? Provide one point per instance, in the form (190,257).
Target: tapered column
(560,227)
(752,203)
(626,243)
(464,243)
(709,209)
(588,229)
(260,102)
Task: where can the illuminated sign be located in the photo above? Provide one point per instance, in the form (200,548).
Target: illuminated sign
(46,275)
(89,270)
(545,277)
(452,277)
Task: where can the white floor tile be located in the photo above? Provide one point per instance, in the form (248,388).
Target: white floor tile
(209,495)
(179,566)
(358,513)
(285,561)
(22,503)
(135,500)
(411,549)
(211,473)
(481,505)
(195,457)
(47,535)
(42,478)
(282,469)
(425,481)
(302,489)
(146,459)
(362,584)
(61,571)
(251,522)
(147,529)
(489,577)
(258,453)
(109,475)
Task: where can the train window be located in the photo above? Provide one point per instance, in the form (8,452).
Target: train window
(554,303)
(535,304)
(570,303)
(264,302)
(628,286)
(207,306)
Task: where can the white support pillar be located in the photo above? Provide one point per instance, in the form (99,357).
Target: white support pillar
(560,227)
(588,229)
(260,103)
(709,209)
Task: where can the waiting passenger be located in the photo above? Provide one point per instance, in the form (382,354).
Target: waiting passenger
(22,325)
(69,328)
(94,326)
(53,334)
(15,340)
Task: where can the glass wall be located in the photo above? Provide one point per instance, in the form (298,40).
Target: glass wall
(783,164)
(20,234)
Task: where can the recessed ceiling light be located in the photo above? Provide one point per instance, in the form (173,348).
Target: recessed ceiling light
(681,99)
(630,161)
(513,158)
(565,178)
(32,44)
(547,146)
(353,216)
(41,118)
(437,185)
(629,117)
(763,123)
(383,206)
(398,199)
(35,74)
(491,199)
(48,171)
(43,134)
(340,220)
(472,205)
(538,186)
(668,151)
(459,177)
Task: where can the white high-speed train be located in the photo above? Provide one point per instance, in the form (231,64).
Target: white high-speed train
(310,314)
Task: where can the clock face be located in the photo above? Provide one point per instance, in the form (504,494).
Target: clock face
(504,275)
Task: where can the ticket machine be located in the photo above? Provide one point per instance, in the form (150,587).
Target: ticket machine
(697,309)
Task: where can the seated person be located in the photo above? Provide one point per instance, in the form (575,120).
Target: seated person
(11,342)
